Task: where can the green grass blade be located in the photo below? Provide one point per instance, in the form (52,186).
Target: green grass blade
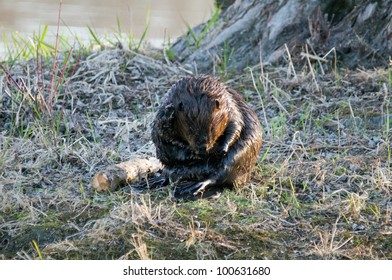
(95,37)
(8,48)
(145,29)
(190,31)
(212,21)
(118,25)
(43,35)
(35,245)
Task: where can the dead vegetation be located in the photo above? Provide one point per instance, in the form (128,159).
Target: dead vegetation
(321,188)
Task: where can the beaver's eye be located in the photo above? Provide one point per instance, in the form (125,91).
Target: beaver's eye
(180,107)
(217,104)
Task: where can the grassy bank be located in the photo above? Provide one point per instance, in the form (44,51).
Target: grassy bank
(322,187)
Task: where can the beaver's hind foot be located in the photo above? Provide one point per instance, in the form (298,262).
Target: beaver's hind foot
(156,182)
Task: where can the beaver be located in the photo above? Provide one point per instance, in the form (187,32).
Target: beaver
(206,136)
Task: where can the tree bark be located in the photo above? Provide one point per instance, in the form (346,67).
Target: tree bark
(359,30)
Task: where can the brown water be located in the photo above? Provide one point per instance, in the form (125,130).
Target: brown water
(166,17)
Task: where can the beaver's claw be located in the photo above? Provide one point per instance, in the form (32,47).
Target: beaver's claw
(193,190)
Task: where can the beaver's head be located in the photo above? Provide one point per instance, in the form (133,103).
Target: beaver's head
(201,112)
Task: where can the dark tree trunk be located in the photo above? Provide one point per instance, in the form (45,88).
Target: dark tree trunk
(359,30)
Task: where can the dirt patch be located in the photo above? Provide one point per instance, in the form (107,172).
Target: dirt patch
(321,188)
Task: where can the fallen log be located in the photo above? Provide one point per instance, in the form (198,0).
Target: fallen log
(115,176)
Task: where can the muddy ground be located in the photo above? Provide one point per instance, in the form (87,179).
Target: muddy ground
(321,189)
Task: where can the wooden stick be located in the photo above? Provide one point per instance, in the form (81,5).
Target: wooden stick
(122,173)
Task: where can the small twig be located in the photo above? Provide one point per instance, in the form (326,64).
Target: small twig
(262,69)
(318,60)
(261,100)
(297,135)
(291,65)
(40,75)
(52,92)
(314,57)
(334,229)
(63,70)
(331,50)
(280,105)
(9,76)
(81,212)
(311,68)
(27,89)
(286,95)
(352,114)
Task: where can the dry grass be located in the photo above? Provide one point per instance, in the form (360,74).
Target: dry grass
(322,188)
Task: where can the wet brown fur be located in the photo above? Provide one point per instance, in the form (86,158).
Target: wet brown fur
(205,130)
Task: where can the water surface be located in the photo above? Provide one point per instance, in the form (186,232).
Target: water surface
(166,17)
